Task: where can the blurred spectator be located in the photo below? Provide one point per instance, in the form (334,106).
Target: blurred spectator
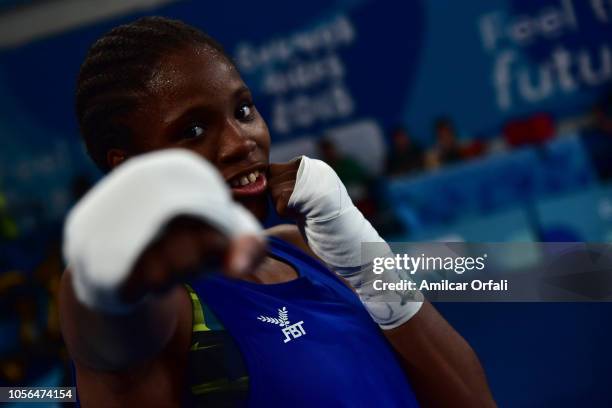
(366,191)
(474,148)
(19,360)
(598,139)
(353,175)
(603,115)
(405,155)
(447,149)
(31,346)
(534,129)
(8,228)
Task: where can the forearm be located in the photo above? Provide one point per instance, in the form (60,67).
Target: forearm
(111,342)
(443,368)
(335,231)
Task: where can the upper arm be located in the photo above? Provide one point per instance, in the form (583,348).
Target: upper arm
(111,342)
(442,366)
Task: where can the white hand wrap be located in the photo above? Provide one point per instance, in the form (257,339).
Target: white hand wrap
(108,229)
(335,229)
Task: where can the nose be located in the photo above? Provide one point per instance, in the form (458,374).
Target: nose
(235,144)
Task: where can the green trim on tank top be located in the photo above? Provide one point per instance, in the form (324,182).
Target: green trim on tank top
(225,380)
(203,318)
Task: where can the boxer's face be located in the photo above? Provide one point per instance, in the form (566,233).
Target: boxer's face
(198,101)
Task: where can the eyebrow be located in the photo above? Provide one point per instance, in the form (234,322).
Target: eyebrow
(241,89)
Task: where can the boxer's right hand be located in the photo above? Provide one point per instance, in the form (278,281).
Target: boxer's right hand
(148,223)
(188,246)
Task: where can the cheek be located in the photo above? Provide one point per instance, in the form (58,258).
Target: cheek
(262,134)
(204,148)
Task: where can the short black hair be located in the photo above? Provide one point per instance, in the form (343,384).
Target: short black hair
(115,74)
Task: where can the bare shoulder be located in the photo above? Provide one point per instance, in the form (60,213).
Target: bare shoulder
(291,234)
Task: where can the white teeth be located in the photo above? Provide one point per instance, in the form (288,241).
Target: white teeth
(244,180)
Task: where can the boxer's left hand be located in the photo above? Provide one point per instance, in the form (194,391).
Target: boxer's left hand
(281,182)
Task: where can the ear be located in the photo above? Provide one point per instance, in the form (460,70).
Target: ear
(115,157)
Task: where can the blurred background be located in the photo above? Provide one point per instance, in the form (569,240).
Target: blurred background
(480,120)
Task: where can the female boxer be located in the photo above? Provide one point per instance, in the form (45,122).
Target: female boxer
(174,296)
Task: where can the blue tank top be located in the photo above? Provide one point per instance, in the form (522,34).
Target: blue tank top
(308,342)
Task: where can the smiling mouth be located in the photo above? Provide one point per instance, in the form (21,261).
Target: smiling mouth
(246,184)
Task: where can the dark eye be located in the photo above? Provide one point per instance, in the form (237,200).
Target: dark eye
(193,132)
(245,111)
